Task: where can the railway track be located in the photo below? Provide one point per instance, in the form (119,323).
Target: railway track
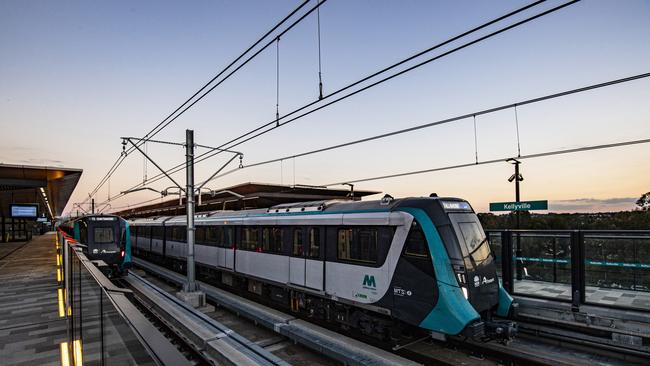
(531,347)
(257,345)
(534,345)
(172,334)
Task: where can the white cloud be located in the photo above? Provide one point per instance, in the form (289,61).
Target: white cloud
(593,204)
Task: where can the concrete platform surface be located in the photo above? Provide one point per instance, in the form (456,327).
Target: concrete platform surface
(30,327)
(595,295)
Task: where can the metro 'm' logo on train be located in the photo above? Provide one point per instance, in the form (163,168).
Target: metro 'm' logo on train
(369,282)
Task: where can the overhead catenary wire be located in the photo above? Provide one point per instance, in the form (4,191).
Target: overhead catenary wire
(411,68)
(493,161)
(467,165)
(237,141)
(190,105)
(258,134)
(452,119)
(135,205)
(296,22)
(395,65)
(156,129)
(447,120)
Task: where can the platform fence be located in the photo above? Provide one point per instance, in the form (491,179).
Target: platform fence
(101,329)
(608,268)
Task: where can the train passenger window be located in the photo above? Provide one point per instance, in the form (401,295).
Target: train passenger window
(272,240)
(416,243)
(314,243)
(199,235)
(157,232)
(249,239)
(212,235)
(367,245)
(358,245)
(344,243)
(134,239)
(179,233)
(227,238)
(297,242)
(102,235)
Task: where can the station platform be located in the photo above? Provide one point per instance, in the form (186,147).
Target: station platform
(7,248)
(31,329)
(594,295)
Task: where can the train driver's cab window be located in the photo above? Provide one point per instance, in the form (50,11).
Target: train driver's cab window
(416,242)
(314,243)
(475,241)
(358,245)
(297,243)
(102,235)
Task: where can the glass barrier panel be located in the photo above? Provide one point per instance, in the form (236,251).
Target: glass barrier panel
(121,346)
(617,270)
(542,265)
(98,332)
(90,319)
(494,238)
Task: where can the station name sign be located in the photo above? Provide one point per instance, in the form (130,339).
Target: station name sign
(519,206)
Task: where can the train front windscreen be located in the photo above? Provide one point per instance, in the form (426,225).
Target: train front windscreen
(106,237)
(480,266)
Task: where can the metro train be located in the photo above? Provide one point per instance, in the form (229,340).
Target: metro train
(103,237)
(381,267)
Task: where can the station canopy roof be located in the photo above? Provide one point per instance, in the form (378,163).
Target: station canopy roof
(246,196)
(46,186)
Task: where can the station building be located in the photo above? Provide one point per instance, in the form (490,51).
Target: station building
(31,197)
(246,196)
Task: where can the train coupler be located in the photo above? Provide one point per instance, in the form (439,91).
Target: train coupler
(502,331)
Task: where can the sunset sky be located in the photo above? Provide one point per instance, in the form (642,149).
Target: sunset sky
(77,75)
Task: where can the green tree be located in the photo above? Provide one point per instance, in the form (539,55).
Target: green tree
(644,202)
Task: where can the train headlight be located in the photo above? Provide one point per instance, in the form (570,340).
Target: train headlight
(465,293)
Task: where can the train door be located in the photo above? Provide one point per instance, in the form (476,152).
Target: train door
(227,252)
(221,256)
(414,282)
(297,261)
(306,266)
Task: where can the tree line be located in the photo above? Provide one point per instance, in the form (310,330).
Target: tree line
(624,220)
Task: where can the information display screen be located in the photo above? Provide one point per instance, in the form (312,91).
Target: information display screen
(26,211)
